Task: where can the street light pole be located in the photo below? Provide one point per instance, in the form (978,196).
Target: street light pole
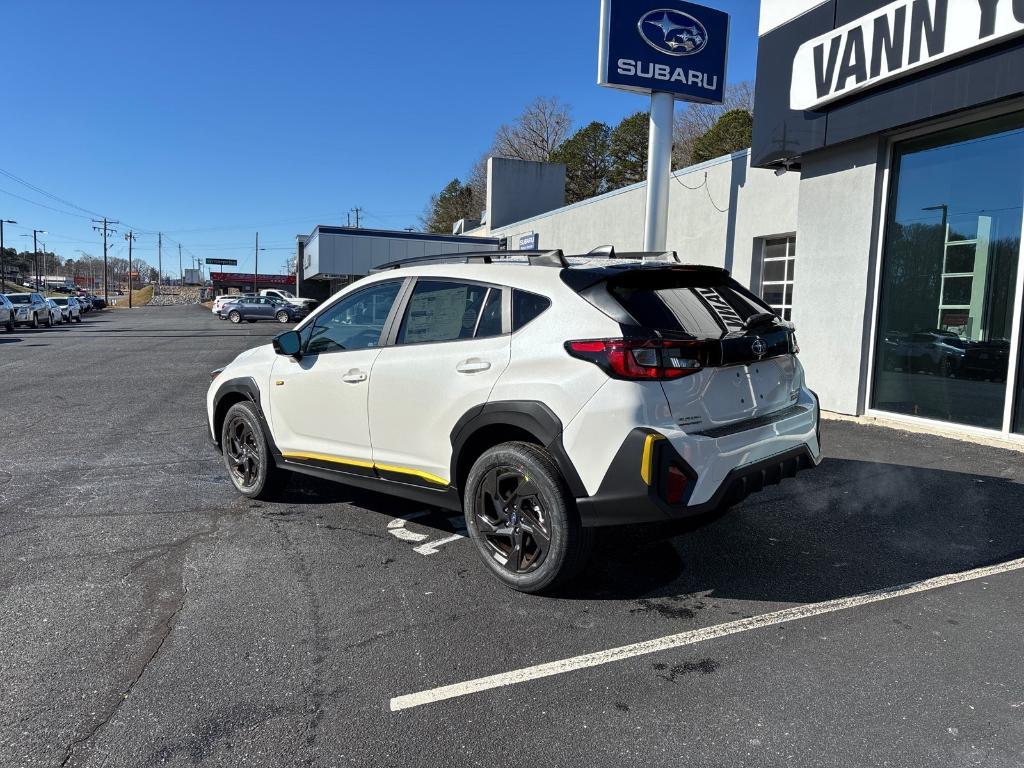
(3,255)
(130,237)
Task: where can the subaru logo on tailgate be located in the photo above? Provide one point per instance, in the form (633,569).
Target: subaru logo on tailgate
(759,348)
(672,32)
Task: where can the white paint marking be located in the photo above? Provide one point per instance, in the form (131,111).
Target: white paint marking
(433,547)
(694,636)
(397,527)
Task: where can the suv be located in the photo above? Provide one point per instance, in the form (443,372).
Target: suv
(543,398)
(31,309)
(7,313)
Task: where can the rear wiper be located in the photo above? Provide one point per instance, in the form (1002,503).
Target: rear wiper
(761,318)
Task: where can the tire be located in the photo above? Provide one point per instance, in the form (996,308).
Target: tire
(234,317)
(527,476)
(247,456)
(35,319)
(49,320)
(282,317)
(78,319)
(9,325)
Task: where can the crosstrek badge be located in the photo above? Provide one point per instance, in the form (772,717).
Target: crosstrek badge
(896,40)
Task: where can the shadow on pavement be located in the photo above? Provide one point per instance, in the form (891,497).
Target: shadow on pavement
(847,528)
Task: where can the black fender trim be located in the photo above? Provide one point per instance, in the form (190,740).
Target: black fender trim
(245,385)
(528,415)
(444,498)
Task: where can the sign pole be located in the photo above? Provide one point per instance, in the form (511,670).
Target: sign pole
(659,171)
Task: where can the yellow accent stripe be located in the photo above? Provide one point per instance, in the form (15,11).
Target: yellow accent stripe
(367,465)
(647,460)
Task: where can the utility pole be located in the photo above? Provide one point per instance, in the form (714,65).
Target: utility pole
(357,211)
(106,230)
(159,260)
(130,237)
(35,254)
(181,275)
(3,255)
(256,266)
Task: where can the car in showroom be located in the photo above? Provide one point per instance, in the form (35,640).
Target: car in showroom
(70,308)
(254,308)
(542,396)
(7,313)
(31,309)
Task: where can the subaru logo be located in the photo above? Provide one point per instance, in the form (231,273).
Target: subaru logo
(759,348)
(672,32)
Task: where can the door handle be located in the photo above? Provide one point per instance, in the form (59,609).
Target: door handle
(355,376)
(473,365)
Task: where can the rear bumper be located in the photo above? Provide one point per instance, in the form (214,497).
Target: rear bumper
(630,495)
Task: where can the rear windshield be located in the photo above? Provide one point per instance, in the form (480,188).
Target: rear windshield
(686,303)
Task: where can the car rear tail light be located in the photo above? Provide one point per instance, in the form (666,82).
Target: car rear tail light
(675,484)
(641,359)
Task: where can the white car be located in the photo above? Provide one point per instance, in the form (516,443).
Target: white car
(542,397)
(7,313)
(287,296)
(70,308)
(56,313)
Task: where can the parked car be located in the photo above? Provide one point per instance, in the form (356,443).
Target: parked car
(261,308)
(939,352)
(987,359)
(7,313)
(227,298)
(97,302)
(71,309)
(543,399)
(56,312)
(31,309)
(278,293)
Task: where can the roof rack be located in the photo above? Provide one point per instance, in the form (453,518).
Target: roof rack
(534,258)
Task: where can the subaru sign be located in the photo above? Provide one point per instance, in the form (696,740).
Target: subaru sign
(529,242)
(664,46)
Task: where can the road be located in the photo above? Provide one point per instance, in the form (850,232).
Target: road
(151,616)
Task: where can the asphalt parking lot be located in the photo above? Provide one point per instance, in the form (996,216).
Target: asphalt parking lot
(151,616)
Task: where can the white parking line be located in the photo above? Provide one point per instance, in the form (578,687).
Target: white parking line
(694,636)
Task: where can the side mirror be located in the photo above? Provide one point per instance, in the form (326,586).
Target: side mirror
(288,343)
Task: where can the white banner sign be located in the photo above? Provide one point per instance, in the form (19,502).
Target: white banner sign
(895,40)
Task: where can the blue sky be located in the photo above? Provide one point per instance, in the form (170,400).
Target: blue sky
(212,120)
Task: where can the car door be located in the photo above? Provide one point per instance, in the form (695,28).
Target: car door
(449,348)
(318,402)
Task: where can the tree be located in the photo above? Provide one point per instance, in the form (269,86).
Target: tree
(695,120)
(452,203)
(730,134)
(628,151)
(587,161)
(536,133)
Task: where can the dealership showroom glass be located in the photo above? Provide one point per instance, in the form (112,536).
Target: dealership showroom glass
(905,123)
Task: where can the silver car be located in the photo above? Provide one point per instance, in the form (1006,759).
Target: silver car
(31,309)
(7,313)
(70,308)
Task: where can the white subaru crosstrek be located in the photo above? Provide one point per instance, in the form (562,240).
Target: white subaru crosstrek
(540,395)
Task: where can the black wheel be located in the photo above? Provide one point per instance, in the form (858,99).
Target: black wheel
(234,316)
(78,319)
(35,319)
(9,325)
(49,320)
(246,455)
(522,518)
(282,317)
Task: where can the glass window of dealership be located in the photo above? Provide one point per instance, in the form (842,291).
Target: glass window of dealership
(949,309)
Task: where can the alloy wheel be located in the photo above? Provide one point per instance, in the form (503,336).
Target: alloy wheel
(510,517)
(242,449)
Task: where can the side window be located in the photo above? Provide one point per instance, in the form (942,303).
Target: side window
(355,322)
(440,310)
(490,318)
(525,307)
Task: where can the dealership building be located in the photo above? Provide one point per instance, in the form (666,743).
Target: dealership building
(879,208)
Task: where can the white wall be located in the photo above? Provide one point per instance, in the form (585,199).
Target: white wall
(520,188)
(718,223)
(833,293)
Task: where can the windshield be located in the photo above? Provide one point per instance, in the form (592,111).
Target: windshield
(61,302)
(20,298)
